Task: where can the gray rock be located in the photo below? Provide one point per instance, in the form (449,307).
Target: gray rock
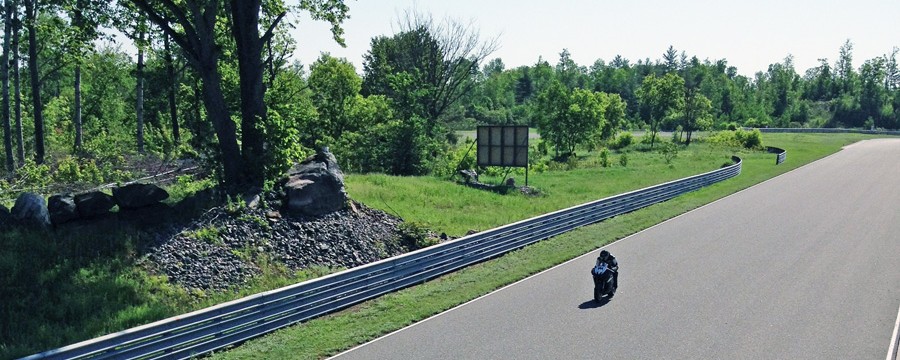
(62,208)
(31,210)
(93,204)
(469,176)
(315,186)
(252,197)
(323,160)
(135,196)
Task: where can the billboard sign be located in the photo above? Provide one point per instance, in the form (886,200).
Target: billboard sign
(503,145)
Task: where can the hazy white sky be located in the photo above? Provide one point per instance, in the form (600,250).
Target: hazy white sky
(749,34)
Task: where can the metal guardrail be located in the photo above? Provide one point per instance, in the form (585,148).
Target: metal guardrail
(780,154)
(234,322)
(827,131)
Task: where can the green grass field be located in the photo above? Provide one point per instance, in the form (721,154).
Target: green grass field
(81,285)
(445,207)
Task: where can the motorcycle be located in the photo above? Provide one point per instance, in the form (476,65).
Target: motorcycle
(604,281)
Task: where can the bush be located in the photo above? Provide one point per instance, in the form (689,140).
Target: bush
(622,141)
(604,157)
(623,160)
(459,158)
(749,139)
(415,235)
(669,151)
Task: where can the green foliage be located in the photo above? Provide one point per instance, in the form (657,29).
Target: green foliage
(187,185)
(285,150)
(335,91)
(71,170)
(416,235)
(661,96)
(209,234)
(33,176)
(604,157)
(751,139)
(669,151)
(461,157)
(622,141)
(623,160)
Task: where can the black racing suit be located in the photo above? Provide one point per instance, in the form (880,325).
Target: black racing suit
(614,266)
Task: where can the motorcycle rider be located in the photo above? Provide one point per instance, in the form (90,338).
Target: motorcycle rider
(610,260)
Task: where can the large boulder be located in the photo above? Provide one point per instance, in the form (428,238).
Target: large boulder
(31,210)
(315,186)
(62,208)
(93,204)
(133,196)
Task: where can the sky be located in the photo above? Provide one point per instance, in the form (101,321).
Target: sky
(750,35)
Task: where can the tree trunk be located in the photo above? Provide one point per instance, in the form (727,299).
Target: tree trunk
(79,131)
(245,17)
(217,112)
(31,17)
(4,78)
(139,89)
(203,53)
(20,143)
(173,109)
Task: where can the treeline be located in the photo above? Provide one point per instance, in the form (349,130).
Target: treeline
(213,80)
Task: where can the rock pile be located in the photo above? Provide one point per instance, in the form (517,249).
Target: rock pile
(341,239)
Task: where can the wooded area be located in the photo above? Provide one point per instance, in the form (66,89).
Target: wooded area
(213,81)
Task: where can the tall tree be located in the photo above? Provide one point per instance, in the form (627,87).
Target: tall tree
(844,68)
(195,21)
(4,78)
(660,96)
(31,11)
(139,85)
(196,35)
(335,88)
(670,59)
(20,137)
(552,108)
(568,72)
(426,67)
(172,89)
(87,18)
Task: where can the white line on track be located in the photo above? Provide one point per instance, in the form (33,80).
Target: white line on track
(895,339)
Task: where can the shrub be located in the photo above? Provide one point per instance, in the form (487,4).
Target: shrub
(623,160)
(461,157)
(622,141)
(669,151)
(604,157)
(749,139)
(416,235)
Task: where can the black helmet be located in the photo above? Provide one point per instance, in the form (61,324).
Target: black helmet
(604,254)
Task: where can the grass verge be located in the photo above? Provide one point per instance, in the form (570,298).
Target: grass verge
(331,334)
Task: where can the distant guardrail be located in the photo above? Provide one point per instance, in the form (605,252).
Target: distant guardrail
(780,154)
(213,328)
(827,131)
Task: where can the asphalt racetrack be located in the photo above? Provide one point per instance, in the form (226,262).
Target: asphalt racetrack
(804,266)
